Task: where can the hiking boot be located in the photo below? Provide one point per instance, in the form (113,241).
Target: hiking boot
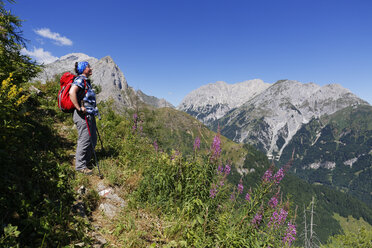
(86,171)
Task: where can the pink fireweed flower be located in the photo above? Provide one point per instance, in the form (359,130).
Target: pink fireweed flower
(273,202)
(196,143)
(213,192)
(248,197)
(156,146)
(267,176)
(135,116)
(278,218)
(227,169)
(282,215)
(257,219)
(220,169)
(216,147)
(279,175)
(290,234)
(240,187)
(232,197)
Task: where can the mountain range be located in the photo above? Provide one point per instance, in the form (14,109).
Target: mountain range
(275,118)
(328,128)
(262,114)
(106,75)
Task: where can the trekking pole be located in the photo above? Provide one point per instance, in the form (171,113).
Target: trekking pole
(100,140)
(94,152)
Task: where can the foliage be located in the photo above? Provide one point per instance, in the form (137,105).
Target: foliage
(343,140)
(361,239)
(212,211)
(172,128)
(36,191)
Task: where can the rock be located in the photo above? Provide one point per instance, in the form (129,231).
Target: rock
(100,186)
(101,240)
(35,90)
(81,191)
(116,199)
(105,192)
(109,209)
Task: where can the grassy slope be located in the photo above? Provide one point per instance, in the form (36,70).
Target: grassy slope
(178,129)
(125,155)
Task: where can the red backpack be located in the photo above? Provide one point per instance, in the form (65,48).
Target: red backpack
(64,101)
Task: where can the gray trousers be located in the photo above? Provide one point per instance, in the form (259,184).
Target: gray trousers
(84,148)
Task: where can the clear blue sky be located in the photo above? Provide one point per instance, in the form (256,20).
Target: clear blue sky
(168,48)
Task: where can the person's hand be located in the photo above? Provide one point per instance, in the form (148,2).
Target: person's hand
(83,110)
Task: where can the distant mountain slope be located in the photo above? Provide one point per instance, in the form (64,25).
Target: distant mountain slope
(105,74)
(336,150)
(153,101)
(211,102)
(270,119)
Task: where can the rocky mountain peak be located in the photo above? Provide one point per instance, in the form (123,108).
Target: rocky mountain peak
(214,100)
(106,74)
(74,57)
(265,115)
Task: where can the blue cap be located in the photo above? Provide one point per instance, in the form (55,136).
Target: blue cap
(81,66)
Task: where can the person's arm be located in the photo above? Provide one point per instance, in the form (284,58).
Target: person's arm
(73,96)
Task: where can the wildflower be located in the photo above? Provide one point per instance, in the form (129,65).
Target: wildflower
(279,175)
(227,169)
(273,202)
(216,147)
(248,197)
(222,183)
(220,169)
(267,176)
(156,146)
(232,197)
(257,219)
(278,218)
(290,234)
(134,127)
(240,187)
(213,192)
(196,143)
(282,215)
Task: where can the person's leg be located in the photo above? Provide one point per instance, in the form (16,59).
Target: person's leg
(92,128)
(83,147)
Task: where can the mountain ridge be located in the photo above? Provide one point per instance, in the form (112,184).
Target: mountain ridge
(106,74)
(212,101)
(278,110)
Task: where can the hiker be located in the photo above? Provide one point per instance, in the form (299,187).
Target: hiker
(84,99)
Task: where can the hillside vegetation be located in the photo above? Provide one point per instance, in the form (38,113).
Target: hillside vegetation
(348,168)
(253,164)
(183,188)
